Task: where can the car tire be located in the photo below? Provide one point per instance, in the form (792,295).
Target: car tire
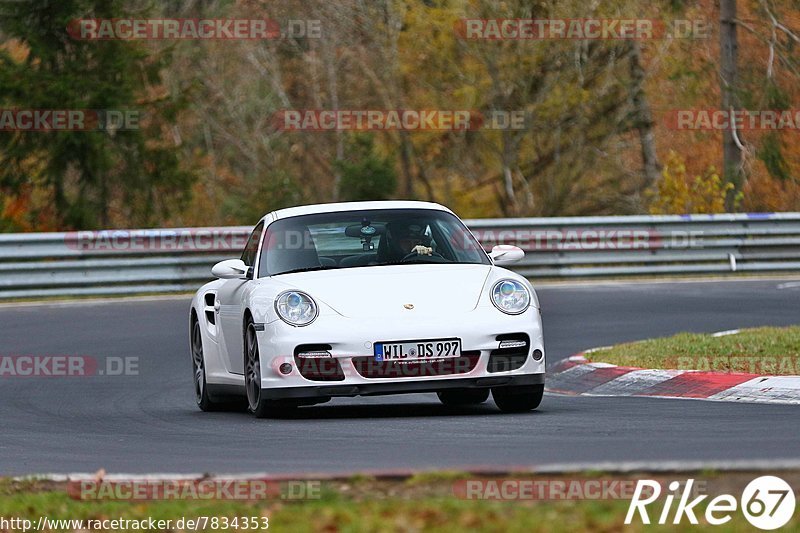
(202,397)
(459,397)
(258,406)
(518,399)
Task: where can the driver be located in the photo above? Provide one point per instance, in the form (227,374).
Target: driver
(408,238)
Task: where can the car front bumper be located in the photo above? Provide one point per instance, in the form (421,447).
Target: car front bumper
(400,387)
(351,340)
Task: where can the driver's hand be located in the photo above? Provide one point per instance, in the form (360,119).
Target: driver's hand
(422,250)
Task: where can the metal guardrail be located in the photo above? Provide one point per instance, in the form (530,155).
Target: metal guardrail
(177,260)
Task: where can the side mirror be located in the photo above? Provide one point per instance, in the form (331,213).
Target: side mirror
(505,254)
(230,269)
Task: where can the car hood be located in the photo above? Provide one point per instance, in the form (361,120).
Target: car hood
(384,291)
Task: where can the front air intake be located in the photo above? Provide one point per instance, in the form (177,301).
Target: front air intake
(510,354)
(315,363)
(369,368)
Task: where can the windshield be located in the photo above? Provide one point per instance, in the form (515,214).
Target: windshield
(367,238)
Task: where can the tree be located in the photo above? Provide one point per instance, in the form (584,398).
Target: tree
(642,117)
(88,175)
(680,193)
(729,53)
(364,174)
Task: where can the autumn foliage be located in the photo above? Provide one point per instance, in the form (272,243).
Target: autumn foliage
(596,138)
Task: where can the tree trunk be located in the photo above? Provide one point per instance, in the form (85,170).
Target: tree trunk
(729,51)
(508,176)
(643,119)
(333,89)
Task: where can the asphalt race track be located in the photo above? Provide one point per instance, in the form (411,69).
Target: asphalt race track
(149,423)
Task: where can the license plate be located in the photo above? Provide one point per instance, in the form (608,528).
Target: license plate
(418,350)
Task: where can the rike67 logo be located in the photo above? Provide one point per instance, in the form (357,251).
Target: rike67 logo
(767,502)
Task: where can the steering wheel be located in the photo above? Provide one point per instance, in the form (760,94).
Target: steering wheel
(414,254)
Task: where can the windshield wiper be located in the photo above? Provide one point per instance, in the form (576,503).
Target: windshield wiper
(307,269)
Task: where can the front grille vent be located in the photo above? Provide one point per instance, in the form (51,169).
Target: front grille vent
(511,353)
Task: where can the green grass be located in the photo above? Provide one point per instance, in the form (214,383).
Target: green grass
(367,504)
(767,350)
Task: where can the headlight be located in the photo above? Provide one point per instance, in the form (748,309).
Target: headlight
(296,308)
(511,297)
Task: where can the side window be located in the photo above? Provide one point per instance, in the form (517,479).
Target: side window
(251,248)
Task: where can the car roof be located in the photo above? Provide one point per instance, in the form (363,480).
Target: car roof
(353,206)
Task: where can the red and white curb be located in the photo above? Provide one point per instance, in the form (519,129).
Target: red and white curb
(577,376)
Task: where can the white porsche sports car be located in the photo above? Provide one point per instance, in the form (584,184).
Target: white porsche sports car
(366,298)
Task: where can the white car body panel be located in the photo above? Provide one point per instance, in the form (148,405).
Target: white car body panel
(382,291)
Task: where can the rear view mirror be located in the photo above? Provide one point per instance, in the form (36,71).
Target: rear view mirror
(370,230)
